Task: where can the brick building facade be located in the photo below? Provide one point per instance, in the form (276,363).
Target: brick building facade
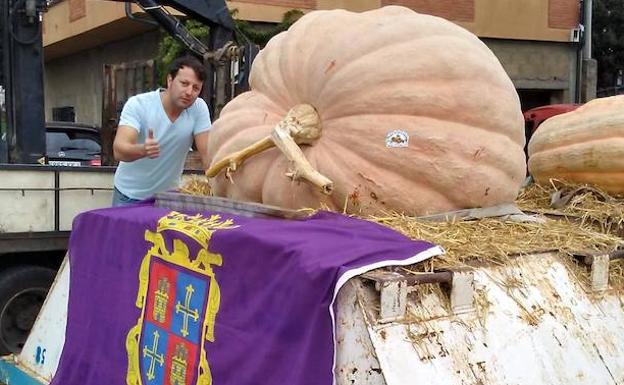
(535,40)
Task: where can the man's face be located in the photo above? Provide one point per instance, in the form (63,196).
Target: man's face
(184,88)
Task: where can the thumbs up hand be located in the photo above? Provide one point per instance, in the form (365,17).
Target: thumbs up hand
(151,146)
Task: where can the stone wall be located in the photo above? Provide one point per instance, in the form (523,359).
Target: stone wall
(77,80)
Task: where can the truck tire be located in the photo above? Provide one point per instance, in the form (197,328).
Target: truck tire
(23,290)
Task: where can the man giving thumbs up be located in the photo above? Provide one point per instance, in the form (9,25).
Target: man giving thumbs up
(155,132)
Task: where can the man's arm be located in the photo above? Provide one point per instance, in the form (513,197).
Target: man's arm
(126,148)
(201,143)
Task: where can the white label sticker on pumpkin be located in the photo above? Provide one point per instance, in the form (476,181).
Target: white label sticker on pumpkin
(397,138)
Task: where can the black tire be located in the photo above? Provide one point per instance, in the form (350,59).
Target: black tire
(23,290)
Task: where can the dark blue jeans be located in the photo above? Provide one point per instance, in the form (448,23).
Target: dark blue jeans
(120,199)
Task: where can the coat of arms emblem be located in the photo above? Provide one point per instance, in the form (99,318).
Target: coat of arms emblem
(179,298)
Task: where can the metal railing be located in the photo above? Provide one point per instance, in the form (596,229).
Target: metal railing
(55,189)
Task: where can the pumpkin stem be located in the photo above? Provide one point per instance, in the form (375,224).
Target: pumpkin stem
(301,125)
(232,161)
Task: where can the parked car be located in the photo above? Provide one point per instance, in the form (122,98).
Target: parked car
(73,144)
(536,116)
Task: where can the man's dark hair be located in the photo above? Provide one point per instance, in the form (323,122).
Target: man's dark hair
(188,61)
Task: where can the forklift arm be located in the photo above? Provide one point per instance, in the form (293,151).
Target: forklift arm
(213,13)
(21,79)
(219,86)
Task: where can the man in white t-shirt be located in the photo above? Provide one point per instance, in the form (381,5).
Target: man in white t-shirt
(156,131)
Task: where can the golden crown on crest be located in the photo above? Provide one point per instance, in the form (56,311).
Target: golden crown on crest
(197,226)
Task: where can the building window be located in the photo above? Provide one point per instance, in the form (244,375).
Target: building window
(77,10)
(64,114)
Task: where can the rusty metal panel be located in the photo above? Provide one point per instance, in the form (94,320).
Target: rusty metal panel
(533,324)
(121,81)
(356,361)
(179,201)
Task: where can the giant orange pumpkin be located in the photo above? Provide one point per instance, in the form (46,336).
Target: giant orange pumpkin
(415,114)
(582,146)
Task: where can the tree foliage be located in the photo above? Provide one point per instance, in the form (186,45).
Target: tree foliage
(608,40)
(169,48)
(261,36)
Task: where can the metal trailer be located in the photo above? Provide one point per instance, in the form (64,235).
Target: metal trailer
(37,202)
(530,322)
(37,207)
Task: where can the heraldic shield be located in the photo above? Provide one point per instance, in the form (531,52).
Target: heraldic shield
(171,332)
(179,299)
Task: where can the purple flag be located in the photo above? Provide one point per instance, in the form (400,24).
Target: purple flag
(159,297)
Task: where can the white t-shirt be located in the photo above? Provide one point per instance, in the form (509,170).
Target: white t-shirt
(144,177)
